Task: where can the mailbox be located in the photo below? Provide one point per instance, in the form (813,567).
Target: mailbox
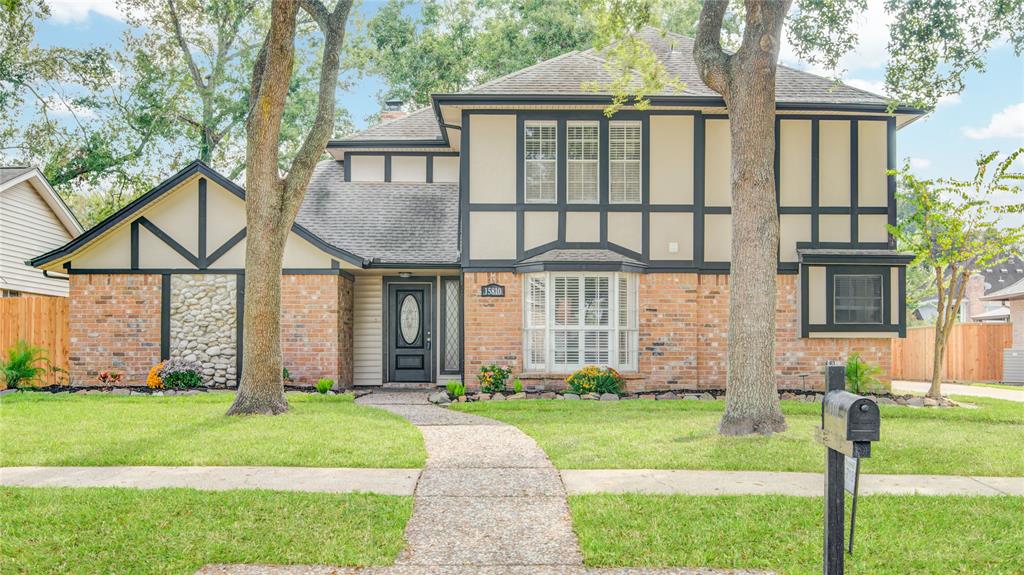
(849,416)
(849,423)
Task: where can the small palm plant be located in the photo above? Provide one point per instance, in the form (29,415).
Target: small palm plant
(860,375)
(25,365)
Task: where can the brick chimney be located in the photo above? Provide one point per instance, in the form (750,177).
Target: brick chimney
(392,111)
(973,294)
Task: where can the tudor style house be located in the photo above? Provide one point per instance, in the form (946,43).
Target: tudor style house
(514,223)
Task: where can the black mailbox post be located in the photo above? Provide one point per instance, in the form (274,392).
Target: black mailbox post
(849,423)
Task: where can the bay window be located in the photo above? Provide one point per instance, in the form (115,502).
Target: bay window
(540,149)
(577,319)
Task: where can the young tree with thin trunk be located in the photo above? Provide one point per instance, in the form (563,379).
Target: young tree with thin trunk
(954,227)
(272,200)
(932,46)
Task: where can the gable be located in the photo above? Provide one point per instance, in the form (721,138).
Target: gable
(194,221)
(28,227)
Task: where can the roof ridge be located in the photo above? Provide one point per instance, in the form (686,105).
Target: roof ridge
(521,71)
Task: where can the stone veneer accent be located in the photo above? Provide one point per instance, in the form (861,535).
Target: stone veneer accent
(114,323)
(683,334)
(203,324)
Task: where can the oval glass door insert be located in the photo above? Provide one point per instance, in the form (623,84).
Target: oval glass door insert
(409,315)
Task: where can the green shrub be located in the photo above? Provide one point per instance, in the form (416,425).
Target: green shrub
(455,388)
(285,375)
(592,379)
(181,374)
(492,378)
(22,367)
(324,384)
(517,385)
(860,375)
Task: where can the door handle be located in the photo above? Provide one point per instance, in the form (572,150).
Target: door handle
(428,339)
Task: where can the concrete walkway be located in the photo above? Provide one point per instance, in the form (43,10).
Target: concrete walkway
(319,479)
(489,502)
(658,481)
(955,389)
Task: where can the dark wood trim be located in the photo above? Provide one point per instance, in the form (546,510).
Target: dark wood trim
(226,246)
(239,325)
(135,245)
(165,317)
(171,243)
(202,222)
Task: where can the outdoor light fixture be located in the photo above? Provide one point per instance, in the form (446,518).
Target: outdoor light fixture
(405,275)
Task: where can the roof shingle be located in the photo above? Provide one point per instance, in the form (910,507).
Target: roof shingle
(406,223)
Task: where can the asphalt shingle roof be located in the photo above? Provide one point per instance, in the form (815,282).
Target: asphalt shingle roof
(9,173)
(580,255)
(567,74)
(418,125)
(407,223)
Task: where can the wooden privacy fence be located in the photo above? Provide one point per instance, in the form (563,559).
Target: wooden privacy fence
(41,321)
(974,352)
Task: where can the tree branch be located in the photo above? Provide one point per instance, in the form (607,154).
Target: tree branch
(333,26)
(712,61)
(193,69)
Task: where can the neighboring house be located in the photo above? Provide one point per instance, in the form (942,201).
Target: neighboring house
(975,307)
(514,223)
(1013,358)
(33,220)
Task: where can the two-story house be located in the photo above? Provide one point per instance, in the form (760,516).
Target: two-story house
(515,223)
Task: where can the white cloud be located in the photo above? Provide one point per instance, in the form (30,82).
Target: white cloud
(871,52)
(68,11)
(920,163)
(59,107)
(873,86)
(1009,123)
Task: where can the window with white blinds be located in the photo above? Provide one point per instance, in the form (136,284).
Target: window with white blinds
(540,149)
(624,162)
(858,298)
(572,320)
(583,145)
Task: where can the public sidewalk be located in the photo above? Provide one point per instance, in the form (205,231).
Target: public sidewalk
(955,389)
(479,480)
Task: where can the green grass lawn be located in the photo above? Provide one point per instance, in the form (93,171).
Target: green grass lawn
(999,386)
(165,531)
(644,434)
(319,431)
(896,535)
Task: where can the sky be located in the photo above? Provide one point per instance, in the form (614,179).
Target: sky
(987,116)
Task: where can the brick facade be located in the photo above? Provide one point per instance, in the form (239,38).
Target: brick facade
(114,323)
(311,328)
(683,321)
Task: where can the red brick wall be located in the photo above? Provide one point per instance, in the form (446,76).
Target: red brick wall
(114,322)
(683,334)
(493,325)
(346,321)
(310,327)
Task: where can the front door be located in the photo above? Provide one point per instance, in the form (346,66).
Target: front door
(409,337)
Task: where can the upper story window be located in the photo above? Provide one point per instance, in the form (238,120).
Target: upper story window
(540,149)
(624,162)
(858,298)
(583,145)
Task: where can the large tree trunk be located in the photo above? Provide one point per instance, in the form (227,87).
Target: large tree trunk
(746,81)
(261,388)
(272,202)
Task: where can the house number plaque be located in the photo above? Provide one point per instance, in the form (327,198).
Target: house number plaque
(492,290)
